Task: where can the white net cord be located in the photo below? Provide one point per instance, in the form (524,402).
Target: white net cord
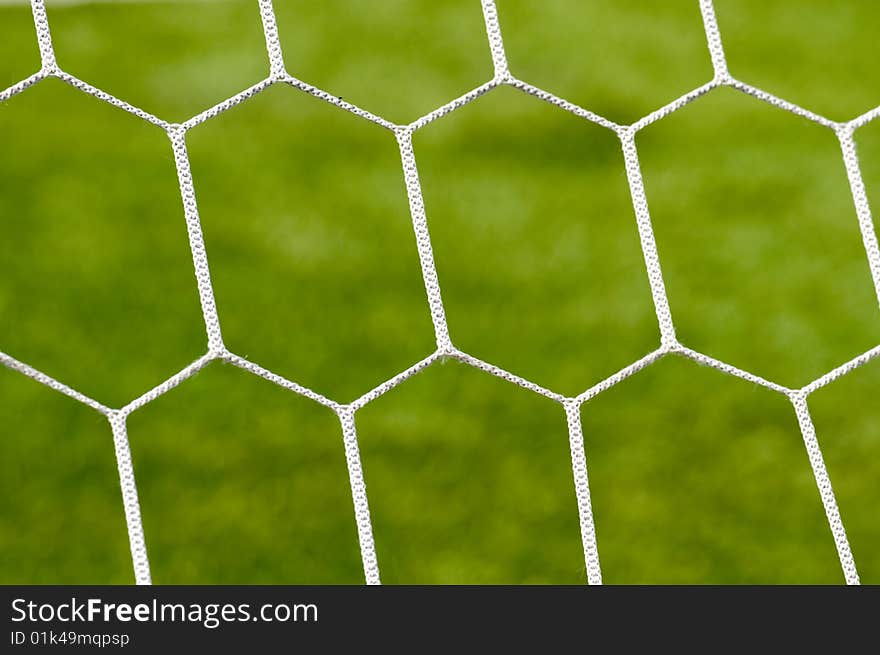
(668,343)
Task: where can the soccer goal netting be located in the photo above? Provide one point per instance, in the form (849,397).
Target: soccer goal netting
(347,413)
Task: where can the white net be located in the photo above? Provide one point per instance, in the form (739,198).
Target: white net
(669,344)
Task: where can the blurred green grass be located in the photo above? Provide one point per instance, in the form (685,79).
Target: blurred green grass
(696,476)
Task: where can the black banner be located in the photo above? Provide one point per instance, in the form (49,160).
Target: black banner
(414,619)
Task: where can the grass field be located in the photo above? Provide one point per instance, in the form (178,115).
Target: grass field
(696,477)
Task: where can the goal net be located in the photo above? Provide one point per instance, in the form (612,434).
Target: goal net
(571,405)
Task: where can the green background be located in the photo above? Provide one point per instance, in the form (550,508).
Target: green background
(696,477)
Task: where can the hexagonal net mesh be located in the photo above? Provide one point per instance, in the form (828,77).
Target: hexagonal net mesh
(669,344)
